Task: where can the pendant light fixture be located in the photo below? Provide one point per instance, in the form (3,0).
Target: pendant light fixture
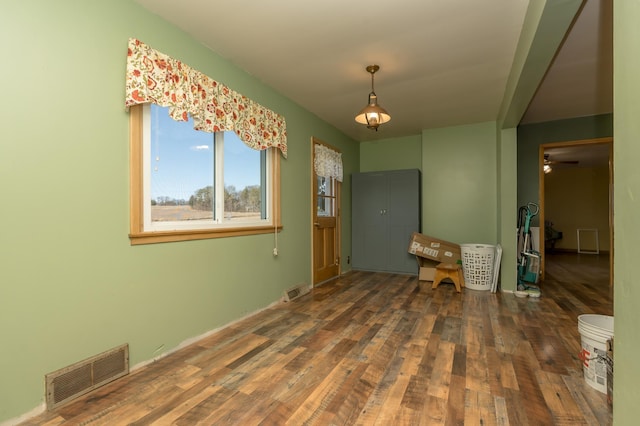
(373,115)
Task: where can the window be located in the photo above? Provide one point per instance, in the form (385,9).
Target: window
(188,184)
(326,197)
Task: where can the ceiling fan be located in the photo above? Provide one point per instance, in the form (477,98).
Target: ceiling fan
(548,162)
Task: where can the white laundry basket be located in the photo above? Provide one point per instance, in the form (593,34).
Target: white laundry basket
(477,264)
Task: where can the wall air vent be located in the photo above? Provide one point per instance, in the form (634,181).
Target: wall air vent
(295,292)
(70,382)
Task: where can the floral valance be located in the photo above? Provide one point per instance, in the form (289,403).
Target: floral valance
(327,162)
(153,77)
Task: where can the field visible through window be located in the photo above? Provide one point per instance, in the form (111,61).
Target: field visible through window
(186,212)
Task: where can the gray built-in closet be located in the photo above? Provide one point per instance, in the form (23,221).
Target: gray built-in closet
(385,212)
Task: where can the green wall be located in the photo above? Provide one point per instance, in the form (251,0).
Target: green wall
(459,181)
(506,219)
(459,178)
(463,197)
(531,136)
(626,153)
(391,154)
(71,285)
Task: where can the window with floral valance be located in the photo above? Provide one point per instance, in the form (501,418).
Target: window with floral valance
(200,166)
(153,77)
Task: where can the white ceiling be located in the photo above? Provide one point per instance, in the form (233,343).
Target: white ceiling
(442,62)
(579,82)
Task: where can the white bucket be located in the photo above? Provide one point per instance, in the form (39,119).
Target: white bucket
(595,331)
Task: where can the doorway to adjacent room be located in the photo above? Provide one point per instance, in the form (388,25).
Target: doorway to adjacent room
(580,200)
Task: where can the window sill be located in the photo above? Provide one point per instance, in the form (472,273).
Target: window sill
(173,236)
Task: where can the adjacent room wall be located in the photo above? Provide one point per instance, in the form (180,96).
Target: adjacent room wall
(578,198)
(71,284)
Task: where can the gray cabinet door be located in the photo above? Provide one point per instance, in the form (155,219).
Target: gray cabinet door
(369,242)
(403,215)
(385,212)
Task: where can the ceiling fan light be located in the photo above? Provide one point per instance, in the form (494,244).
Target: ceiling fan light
(546,168)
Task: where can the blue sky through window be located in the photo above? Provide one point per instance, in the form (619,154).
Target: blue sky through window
(182,158)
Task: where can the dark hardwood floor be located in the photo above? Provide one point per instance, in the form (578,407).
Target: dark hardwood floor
(378,349)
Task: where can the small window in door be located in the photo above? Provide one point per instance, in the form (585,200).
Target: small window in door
(326,196)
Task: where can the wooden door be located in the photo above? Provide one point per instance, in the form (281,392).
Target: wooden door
(326,227)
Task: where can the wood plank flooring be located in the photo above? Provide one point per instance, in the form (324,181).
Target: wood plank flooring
(378,349)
